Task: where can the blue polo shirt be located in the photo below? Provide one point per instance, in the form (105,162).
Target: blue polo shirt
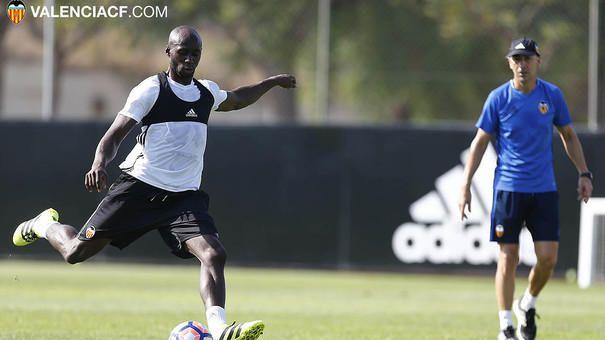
(523,127)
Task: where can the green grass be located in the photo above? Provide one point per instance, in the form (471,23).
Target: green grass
(48,300)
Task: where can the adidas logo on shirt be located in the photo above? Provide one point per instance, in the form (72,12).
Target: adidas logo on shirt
(191,114)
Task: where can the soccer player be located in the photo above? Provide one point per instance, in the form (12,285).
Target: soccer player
(520,115)
(159,187)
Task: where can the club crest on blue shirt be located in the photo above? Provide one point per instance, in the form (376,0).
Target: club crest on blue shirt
(543,107)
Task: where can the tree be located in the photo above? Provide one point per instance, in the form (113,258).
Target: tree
(387,59)
(434,59)
(268,34)
(395,60)
(70,34)
(479,32)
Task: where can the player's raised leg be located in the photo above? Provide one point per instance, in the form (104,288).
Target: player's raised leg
(63,237)
(212,256)
(29,231)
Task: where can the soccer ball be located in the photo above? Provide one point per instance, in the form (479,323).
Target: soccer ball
(190,330)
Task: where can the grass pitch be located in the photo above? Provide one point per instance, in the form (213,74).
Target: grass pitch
(52,300)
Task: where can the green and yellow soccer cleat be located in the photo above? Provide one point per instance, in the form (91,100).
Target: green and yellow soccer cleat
(243,331)
(25,233)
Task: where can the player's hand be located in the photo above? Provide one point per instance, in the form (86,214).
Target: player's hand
(287,81)
(96,179)
(584,189)
(464,201)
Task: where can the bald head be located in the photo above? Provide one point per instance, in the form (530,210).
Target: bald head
(184,35)
(184,51)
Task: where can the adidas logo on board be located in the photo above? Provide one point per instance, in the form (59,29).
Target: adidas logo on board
(437,235)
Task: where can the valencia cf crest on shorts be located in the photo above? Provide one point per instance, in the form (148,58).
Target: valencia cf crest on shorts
(543,107)
(499,230)
(90,232)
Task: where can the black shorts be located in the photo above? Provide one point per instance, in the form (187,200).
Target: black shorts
(132,207)
(539,212)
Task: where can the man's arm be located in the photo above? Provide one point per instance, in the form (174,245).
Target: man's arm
(246,95)
(478,146)
(96,178)
(574,151)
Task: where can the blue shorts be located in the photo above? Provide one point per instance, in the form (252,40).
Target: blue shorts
(511,211)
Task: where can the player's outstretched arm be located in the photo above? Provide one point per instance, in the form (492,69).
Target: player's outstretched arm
(96,178)
(478,146)
(246,95)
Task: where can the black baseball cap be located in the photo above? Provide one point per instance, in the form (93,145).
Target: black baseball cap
(523,46)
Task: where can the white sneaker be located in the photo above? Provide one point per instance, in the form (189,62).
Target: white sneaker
(526,321)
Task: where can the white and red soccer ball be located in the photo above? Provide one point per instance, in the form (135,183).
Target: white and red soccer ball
(190,330)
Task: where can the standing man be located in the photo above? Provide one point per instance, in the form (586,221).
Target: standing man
(519,115)
(159,187)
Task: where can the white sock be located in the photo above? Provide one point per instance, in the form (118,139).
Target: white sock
(41,228)
(215,315)
(506,318)
(528,301)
